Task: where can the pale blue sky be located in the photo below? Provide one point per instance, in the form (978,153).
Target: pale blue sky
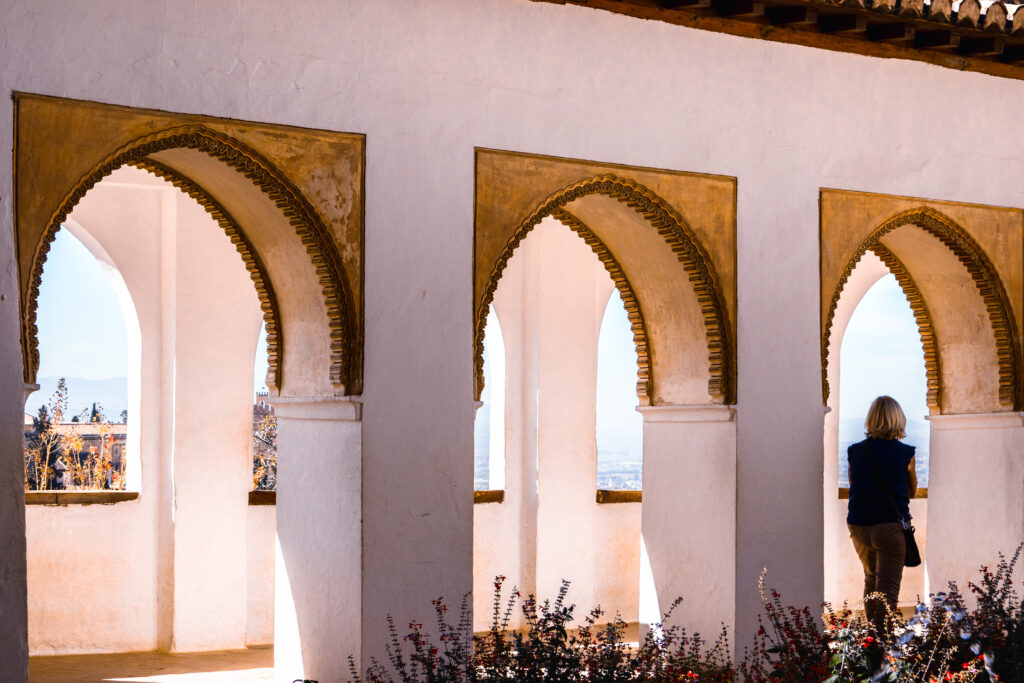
(882,354)
(81,328)
(619,425)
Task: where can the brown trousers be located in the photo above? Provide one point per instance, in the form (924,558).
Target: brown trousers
(881,549)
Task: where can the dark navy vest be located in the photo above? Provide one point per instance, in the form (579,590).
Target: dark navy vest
(868,502)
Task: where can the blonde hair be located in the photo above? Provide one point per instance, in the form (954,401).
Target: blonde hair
(885,419)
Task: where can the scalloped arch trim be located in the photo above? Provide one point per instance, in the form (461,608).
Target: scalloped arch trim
(253,263)
(296,209)
(677,235)
(981,271)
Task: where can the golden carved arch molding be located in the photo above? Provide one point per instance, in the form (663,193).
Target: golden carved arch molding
(678,236)
(314,178)
(996,227)
(253,263)
(622,285)
(925,327)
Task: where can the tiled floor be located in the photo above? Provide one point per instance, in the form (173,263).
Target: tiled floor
(255,665)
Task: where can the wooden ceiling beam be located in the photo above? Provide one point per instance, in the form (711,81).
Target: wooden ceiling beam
(973,38)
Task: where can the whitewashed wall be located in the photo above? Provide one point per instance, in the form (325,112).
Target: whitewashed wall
(428,81)
(92,578)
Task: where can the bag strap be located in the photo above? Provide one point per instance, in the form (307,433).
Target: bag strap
(881,482)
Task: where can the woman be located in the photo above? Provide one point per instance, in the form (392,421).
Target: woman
(882,482)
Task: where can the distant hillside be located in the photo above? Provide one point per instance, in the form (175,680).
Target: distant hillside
(111,393)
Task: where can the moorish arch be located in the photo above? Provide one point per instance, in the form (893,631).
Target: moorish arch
(622,284)
(964,312)
(841,310)
(961,268)
(665,241)
(299,235)
(290,200)
(666,271)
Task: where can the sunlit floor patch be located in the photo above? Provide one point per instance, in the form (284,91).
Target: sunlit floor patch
(254,665)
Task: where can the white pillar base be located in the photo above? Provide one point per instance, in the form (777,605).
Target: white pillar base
(318,551)
(689,511)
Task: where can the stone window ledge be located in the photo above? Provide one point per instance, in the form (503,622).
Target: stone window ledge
(78,497)
(262,497)
(495,496)
(844,494)
(606,496)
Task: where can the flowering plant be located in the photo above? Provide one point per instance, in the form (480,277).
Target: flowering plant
(942,640)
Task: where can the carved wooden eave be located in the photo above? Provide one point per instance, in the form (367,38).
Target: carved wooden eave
(970,38)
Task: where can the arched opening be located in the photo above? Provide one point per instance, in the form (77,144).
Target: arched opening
(552,301)
(191,391)
(489,427)
(620,428)
(635,243)
(880,352)
(966,330)
(77,422)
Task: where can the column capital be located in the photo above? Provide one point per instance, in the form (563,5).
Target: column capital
(29,390)
(326,408)
(1006,420)
(699,413)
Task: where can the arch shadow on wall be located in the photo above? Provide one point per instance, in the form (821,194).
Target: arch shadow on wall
(960,267)
(290,199)
(676,276)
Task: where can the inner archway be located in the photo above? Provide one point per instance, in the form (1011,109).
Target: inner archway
(666,243)
(880,352)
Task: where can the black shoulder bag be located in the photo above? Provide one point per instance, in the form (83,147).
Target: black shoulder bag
(913,555)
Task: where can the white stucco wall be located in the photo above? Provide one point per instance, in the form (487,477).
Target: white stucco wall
(428,81)
(259,579)
(92,578)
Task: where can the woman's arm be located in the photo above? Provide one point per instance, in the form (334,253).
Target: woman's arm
(912,471)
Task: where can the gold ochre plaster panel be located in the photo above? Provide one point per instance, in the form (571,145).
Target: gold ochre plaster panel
(314,177)
(987,240)
(694,213)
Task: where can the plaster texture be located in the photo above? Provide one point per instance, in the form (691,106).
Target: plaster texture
(428,83)
(690,527)
(974,492)
(318,558)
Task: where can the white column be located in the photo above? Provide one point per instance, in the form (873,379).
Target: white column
(504,535)
(689,511)
(216,318)
(974,493)
(318,575)
(573,295)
